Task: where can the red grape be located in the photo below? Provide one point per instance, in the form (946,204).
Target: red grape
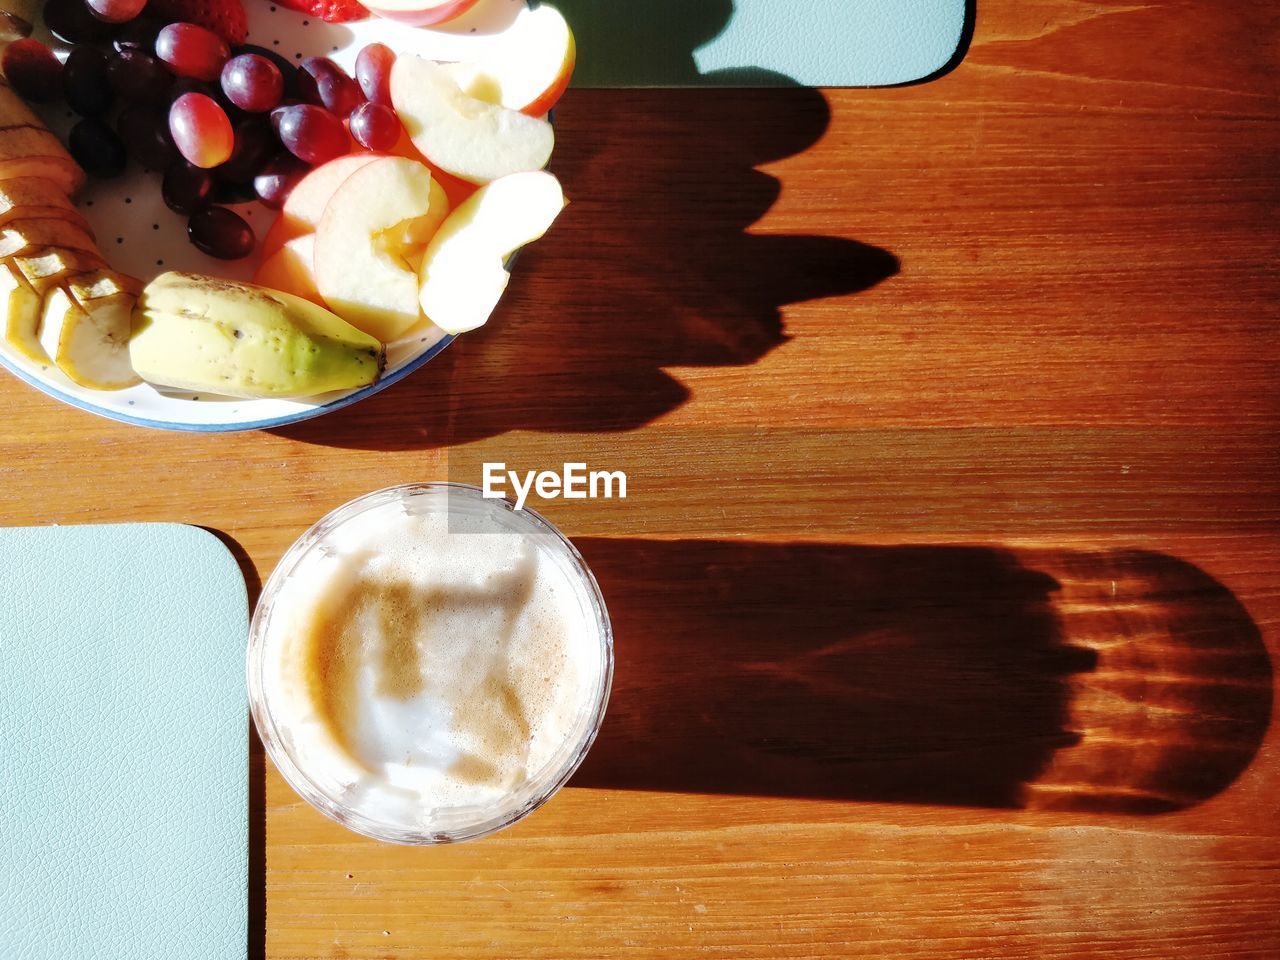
(288,70)
(373,72)
(192,51)
(144,128)
(201,130)
(97,148)
(375,127)
(325,83)
(310,133)
(84,80)
(186,189)
(71,22)
(252,82)
(33,70)
(116,11)
(221,233)
(278,178)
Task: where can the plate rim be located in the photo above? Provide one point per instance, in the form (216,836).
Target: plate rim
(231,427)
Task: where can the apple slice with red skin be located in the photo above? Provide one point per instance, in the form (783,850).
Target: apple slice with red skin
(527,69)
(370,241)
(463,272)
(292,268)
(420,13)
(468,138)
(304,208)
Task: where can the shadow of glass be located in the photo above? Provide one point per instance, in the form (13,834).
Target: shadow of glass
(650,267)
(967,676)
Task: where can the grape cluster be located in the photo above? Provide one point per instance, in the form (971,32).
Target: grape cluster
(223,124)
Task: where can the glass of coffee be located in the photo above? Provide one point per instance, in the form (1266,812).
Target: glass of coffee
(427,665)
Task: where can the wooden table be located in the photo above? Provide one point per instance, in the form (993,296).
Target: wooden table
(945,593)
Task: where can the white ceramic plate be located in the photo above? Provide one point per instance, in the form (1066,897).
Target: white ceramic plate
(140,236)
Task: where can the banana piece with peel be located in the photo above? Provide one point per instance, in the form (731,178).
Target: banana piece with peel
(207,334)
(85,329)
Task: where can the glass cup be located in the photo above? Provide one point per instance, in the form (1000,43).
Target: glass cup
(362,799)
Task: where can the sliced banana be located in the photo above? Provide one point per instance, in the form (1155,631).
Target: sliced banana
(85,329)
(20,307)
(46,267)
(31,198)
(28,149)
(23,237)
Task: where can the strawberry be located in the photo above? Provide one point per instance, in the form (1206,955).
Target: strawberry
(224,17)
(330,11)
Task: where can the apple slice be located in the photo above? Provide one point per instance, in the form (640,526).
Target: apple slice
(464,272)
(292,269)
(461,135)
(527,69)
(306,203)
(369,241)
(420,13)
(457,190)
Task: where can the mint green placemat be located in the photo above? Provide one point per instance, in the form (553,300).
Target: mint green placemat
(123,745)
(814,43)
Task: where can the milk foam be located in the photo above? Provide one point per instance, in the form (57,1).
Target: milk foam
(419,669)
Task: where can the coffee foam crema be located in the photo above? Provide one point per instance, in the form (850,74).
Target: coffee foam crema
(414,670)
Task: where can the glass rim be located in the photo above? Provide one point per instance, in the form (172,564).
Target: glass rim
(303,784)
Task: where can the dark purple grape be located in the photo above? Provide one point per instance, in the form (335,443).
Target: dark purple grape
(97,148)
(33,70)
(138,77)
(139,34)
(84,80)
(71,22)
(186,188)
(252,83)
(288,69)
(221,233)
(144,128)
(325,83)
(375,127)
(231,192)
(373,72)
(310,133)
(183,85)
(255,145)
(278,178)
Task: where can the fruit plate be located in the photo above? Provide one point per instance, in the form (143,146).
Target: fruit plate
(140,236)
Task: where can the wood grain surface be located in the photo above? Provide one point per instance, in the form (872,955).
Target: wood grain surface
(945,594)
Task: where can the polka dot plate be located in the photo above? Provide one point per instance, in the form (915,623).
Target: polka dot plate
(140,236)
